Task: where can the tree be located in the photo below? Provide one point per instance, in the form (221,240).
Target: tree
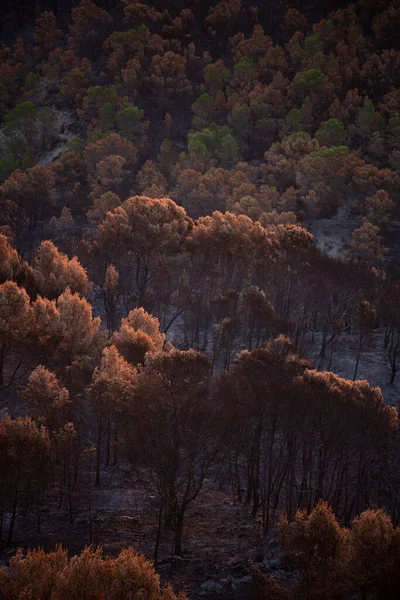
(66,443)
(245,75)
(373,552)
(90,27)
(201,194)
(368,121)
(255,47)
(31,192)
(54,272)
(393,352)
(24,450)
(335,404)
(54,576)
(14,330)
(204,110)
(111,295)
(75,83)
(366,320)
(45,326)
(70,175)
(101,206)
(239,120)
(390,313)
(139,335)
(293,21)
(281,160)
(106,117)
(129,122)
(79,328)
(379,208)
(28,125)
(255,395)
(129,79)
(267,588)
(385,23)
(109,176)
(136,13)
(213,143)
(216,75)
(46,35)
(107,146)
(176,418)
(222,17)
(151,182)
(62,226)
(111,391)
(307,82)
(99,107)
(317,548)
(22,122)
(47,399)
(10,263)
(332,133)
(259,316)
(143,228)
(37,573)
(168,78)
(366,244)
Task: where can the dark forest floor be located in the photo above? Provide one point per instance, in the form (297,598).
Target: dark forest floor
(219,536)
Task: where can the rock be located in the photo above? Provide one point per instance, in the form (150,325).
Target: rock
(278,563)
(135,519)
(178,558)
(246,579)
(230,582)
(239,567)
(211,586)
(99,519)
(275,563)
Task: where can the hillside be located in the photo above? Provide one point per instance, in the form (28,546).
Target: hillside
(199,300)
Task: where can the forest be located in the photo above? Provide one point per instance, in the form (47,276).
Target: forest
(199,300)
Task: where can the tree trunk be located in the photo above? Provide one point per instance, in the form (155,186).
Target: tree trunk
(158,537)
(115,459)
(358,359)
(98,452)
(71,516)
(108,440)
(179,533)
(12,522)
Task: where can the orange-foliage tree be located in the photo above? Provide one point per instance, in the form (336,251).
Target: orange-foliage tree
(90,574)
(111,392)
(90,26)
(139,335)
(54,272)
(175,422)
(143,229)
(24,453)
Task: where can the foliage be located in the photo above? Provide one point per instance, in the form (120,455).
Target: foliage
(54,576)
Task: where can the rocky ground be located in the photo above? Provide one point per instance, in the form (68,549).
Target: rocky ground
(65,130)
(333,236)
(219,539)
